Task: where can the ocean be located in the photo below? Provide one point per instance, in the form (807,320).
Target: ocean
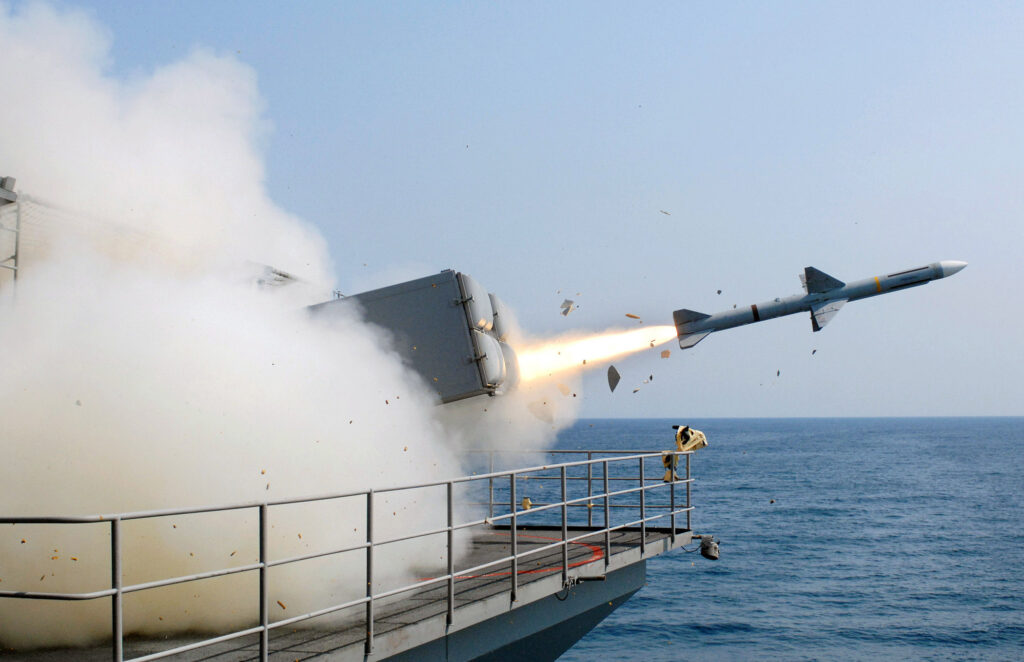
(897,538)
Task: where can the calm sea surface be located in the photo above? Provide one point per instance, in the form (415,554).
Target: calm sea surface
(888,538)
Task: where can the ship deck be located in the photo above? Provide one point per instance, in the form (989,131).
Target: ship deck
(579,549)
(407,621)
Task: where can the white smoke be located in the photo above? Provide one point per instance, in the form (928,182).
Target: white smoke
(143,370)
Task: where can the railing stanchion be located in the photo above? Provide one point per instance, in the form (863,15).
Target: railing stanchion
(590,488)
(643,510)
(116,609)
(565,533)
(688,527)
(607,517)
(515,542)
(451,553)
(490,485)
(369,572)
(264,531)
(672,500)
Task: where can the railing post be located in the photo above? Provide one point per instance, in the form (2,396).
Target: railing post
(264,531)
(643,510)
(490,485)
(515,536)
(607,517)
(451,554)
(672,503)
(688,527)
(116,609)
(369,572)
(590,489)
(565,532)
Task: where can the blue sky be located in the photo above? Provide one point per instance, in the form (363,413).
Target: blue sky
(535,146)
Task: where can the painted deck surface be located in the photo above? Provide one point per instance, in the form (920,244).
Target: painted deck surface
(417,618)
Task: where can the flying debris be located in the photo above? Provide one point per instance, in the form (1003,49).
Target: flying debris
(823,297)
(719,291)
(778,373)
(664,212)
(632,316)
(813,352)
(665,353)
(636,390)
(613,378)
(567,307)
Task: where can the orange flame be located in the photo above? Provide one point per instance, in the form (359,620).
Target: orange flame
(579,353)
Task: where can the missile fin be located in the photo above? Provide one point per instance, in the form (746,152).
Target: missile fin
(688,340)
(683,317)
(823,312)
(815,281)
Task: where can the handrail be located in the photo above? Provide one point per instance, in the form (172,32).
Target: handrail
(564,503)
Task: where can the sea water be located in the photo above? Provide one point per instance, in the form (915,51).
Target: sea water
(881,538)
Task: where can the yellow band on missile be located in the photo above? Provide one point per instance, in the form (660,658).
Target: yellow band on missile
(878,284)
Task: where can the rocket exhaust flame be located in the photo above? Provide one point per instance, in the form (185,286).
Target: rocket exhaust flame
(581,352)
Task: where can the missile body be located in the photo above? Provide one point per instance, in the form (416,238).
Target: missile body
(823,297)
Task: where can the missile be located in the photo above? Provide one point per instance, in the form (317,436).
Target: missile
(823,297)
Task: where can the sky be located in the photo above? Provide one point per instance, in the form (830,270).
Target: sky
(639,159)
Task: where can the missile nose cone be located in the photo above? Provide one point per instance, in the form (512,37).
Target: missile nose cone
(950,267)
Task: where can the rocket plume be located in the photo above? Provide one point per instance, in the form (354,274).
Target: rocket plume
(566,353)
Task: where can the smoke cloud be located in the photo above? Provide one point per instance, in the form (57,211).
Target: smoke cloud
(143,368)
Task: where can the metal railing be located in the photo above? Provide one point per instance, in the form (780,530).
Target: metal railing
(556,506)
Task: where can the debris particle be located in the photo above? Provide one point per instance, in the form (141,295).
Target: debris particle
(613,377)
(526,503)
(584,362)
(268,486)
(813,352)
(772,501)
(564,389)
(350,422)
(263,471)
(191,554)
(567,307)
(636,390)
(661,210)
(778,372)
(665,353)
(632,316)
(281,605)
(74,558)
(54,558)
(651,377)
(174,526)
(42,577)
(646,381)
(78,403)
(405,448)
(733,305)
(300,536)
(386,402)
(719,291)
(22,541)
(233,553)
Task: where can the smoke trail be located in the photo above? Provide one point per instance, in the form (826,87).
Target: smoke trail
(143,370)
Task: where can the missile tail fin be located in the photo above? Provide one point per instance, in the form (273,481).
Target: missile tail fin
(815,281)
(688,340)
(684,317)
(823,313)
